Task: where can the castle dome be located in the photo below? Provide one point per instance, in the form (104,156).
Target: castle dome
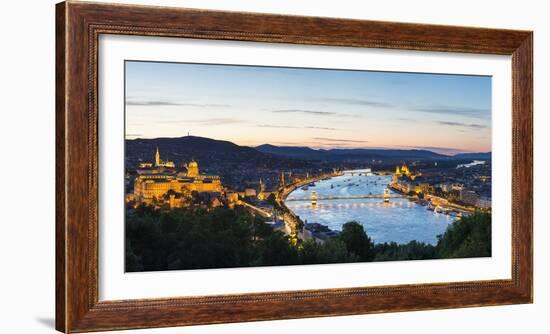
(192,169)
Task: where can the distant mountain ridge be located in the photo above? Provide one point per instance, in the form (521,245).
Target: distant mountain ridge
(241,166)
(478,156)
(211,153)
(343,154)
(303,152)
(206,151)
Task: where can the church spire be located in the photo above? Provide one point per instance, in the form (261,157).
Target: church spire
(157,157)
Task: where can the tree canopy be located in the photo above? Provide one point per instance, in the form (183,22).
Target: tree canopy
(197,238)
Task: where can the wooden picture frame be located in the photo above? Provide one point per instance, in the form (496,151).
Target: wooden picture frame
(78,27)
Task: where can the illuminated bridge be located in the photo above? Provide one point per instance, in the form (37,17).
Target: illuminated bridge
(382,196)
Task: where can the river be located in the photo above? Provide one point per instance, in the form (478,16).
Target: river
(400,220)
(473,163)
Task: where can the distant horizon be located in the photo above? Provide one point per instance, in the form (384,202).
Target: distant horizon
(316,108)
(433,150)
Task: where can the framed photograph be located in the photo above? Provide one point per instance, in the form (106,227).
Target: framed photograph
(223,166)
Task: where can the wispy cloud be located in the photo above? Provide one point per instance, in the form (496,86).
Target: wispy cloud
(356,102)
(218,121)
(154,103)
(305,111)
(436,149)
(339,140)
(275,126)
(316,144)
(290,143)
(463,125)
(314,112)
(151,103)
(278,126)
(320,128)
(207,121)
(133,135)
(463,111)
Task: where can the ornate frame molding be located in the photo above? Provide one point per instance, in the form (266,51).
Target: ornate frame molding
(78,27)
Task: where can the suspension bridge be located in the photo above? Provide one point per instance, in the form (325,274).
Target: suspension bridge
(386,196)
(307,199)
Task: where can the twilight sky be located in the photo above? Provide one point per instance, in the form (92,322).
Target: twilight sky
(251,105)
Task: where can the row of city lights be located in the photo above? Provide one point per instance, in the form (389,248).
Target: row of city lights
(355,205)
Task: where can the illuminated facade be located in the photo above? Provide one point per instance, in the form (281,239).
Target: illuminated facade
(193,169)
(158,162)
(262,194)
(403,170)
(404,180)
(160,184)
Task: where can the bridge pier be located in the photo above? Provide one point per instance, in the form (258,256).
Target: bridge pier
(314,198)
(386,195)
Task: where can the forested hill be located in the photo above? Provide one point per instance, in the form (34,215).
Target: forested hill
(208,152)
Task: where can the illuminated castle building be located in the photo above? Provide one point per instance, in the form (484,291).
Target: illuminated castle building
(159,182)
(157,163)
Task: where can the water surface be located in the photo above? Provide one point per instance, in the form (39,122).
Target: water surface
(400,220)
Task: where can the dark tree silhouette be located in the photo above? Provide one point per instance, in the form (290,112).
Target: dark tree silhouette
(197,238)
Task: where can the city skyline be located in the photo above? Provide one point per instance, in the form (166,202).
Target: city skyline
(319,108)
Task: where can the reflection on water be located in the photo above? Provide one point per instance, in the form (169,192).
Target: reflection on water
(400,220)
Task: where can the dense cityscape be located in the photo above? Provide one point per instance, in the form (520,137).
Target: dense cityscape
(452,186)
(240,166)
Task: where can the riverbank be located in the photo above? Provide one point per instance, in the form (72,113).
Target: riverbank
(294,226)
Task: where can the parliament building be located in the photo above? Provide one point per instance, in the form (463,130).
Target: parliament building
(406,181)
(159,181)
